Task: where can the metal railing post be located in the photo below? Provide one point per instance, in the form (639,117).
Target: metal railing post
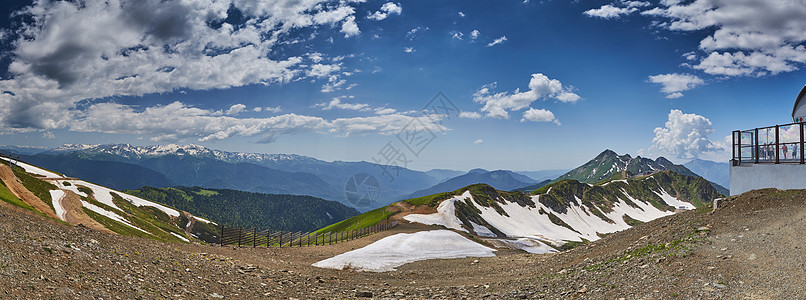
(777,147)
(800,125)
(755,147)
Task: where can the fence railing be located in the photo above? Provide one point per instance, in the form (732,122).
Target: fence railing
(251,237)
(772,145)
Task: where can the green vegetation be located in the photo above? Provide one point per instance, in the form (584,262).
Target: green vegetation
(67,183)
(206,192)
(364,220)
(631,221)
(116,226)
(246,209)
(573,244)
(39,188)
(7,196)
(85,190)
(150,219)
(431,200)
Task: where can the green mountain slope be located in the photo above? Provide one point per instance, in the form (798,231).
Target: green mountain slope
(246,209)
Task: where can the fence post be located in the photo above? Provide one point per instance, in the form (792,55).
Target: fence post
(254,237)
(240,230)
(221,236)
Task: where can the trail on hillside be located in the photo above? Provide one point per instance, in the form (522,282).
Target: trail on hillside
(13,183)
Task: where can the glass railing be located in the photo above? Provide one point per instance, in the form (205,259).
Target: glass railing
(769,145)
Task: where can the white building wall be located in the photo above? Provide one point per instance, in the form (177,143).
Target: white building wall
(750,177)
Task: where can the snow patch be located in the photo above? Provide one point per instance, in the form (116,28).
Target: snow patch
(56,197)
(109,214)
(180,237)
(445,215)
(32,169)
(677,204)
(482,230)
(393,251)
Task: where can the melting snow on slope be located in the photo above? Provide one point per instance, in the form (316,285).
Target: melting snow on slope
(104,195)
(673,201)
(56,197)
(402,248)
(482,230)
(445,215)
(180,237)
(109,214)
(32,169)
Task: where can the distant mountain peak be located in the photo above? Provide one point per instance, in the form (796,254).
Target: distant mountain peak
(609,163)
(478,171)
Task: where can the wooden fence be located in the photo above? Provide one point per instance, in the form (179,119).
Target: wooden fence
(251,237)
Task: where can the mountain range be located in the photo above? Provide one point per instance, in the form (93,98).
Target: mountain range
(500,179)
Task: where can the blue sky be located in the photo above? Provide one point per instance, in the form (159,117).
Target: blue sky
(540,84)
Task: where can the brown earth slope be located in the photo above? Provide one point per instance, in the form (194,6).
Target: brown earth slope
(750,248)
(13,183)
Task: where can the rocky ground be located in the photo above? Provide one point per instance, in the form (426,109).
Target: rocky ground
(751,247)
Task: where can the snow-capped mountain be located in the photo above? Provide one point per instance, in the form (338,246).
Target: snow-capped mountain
(128,151)
(608,163)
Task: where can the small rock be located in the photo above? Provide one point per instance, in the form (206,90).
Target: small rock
(363,294)
(217,296)
(582,290)
(720,286)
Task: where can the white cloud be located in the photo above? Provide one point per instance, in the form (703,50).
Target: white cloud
(235,109)
(474,34)
(461,14)
(674,84)
(349,27)
(497,41)
(322,70)
(387,9)
(479,141)
(336,103)
(470,115)
(457,35)
(616,9)
(413,32)
(408,49)
(385,111)
(65,52)
(177,122)
(685,136)
(539,115)
(540,87)
(743,41)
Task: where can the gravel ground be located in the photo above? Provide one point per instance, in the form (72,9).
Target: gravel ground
(749,248)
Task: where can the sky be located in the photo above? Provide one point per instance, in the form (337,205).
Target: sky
(520,85)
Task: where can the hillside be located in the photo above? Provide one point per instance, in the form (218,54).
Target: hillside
(193,165)
(555,216)
(78,202)
(500,179)
(246,209)
(693,254)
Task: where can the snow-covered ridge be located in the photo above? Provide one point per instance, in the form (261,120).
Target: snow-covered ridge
(139,152)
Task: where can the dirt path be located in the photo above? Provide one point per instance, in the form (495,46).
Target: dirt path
(74,214)
(13,183)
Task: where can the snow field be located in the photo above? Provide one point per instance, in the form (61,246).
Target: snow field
(32,169)
(109,214)
(56,196)
(445,215)
(393,251)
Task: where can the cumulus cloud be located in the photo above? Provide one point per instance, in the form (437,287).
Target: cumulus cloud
(457,35)
(65,52)
(408,49)
(387,9)
(479,141)
(539,115)
(685,136)
(497,105)
(674,84)
(616,9)
(742,41)
(235,109)
(497,41)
